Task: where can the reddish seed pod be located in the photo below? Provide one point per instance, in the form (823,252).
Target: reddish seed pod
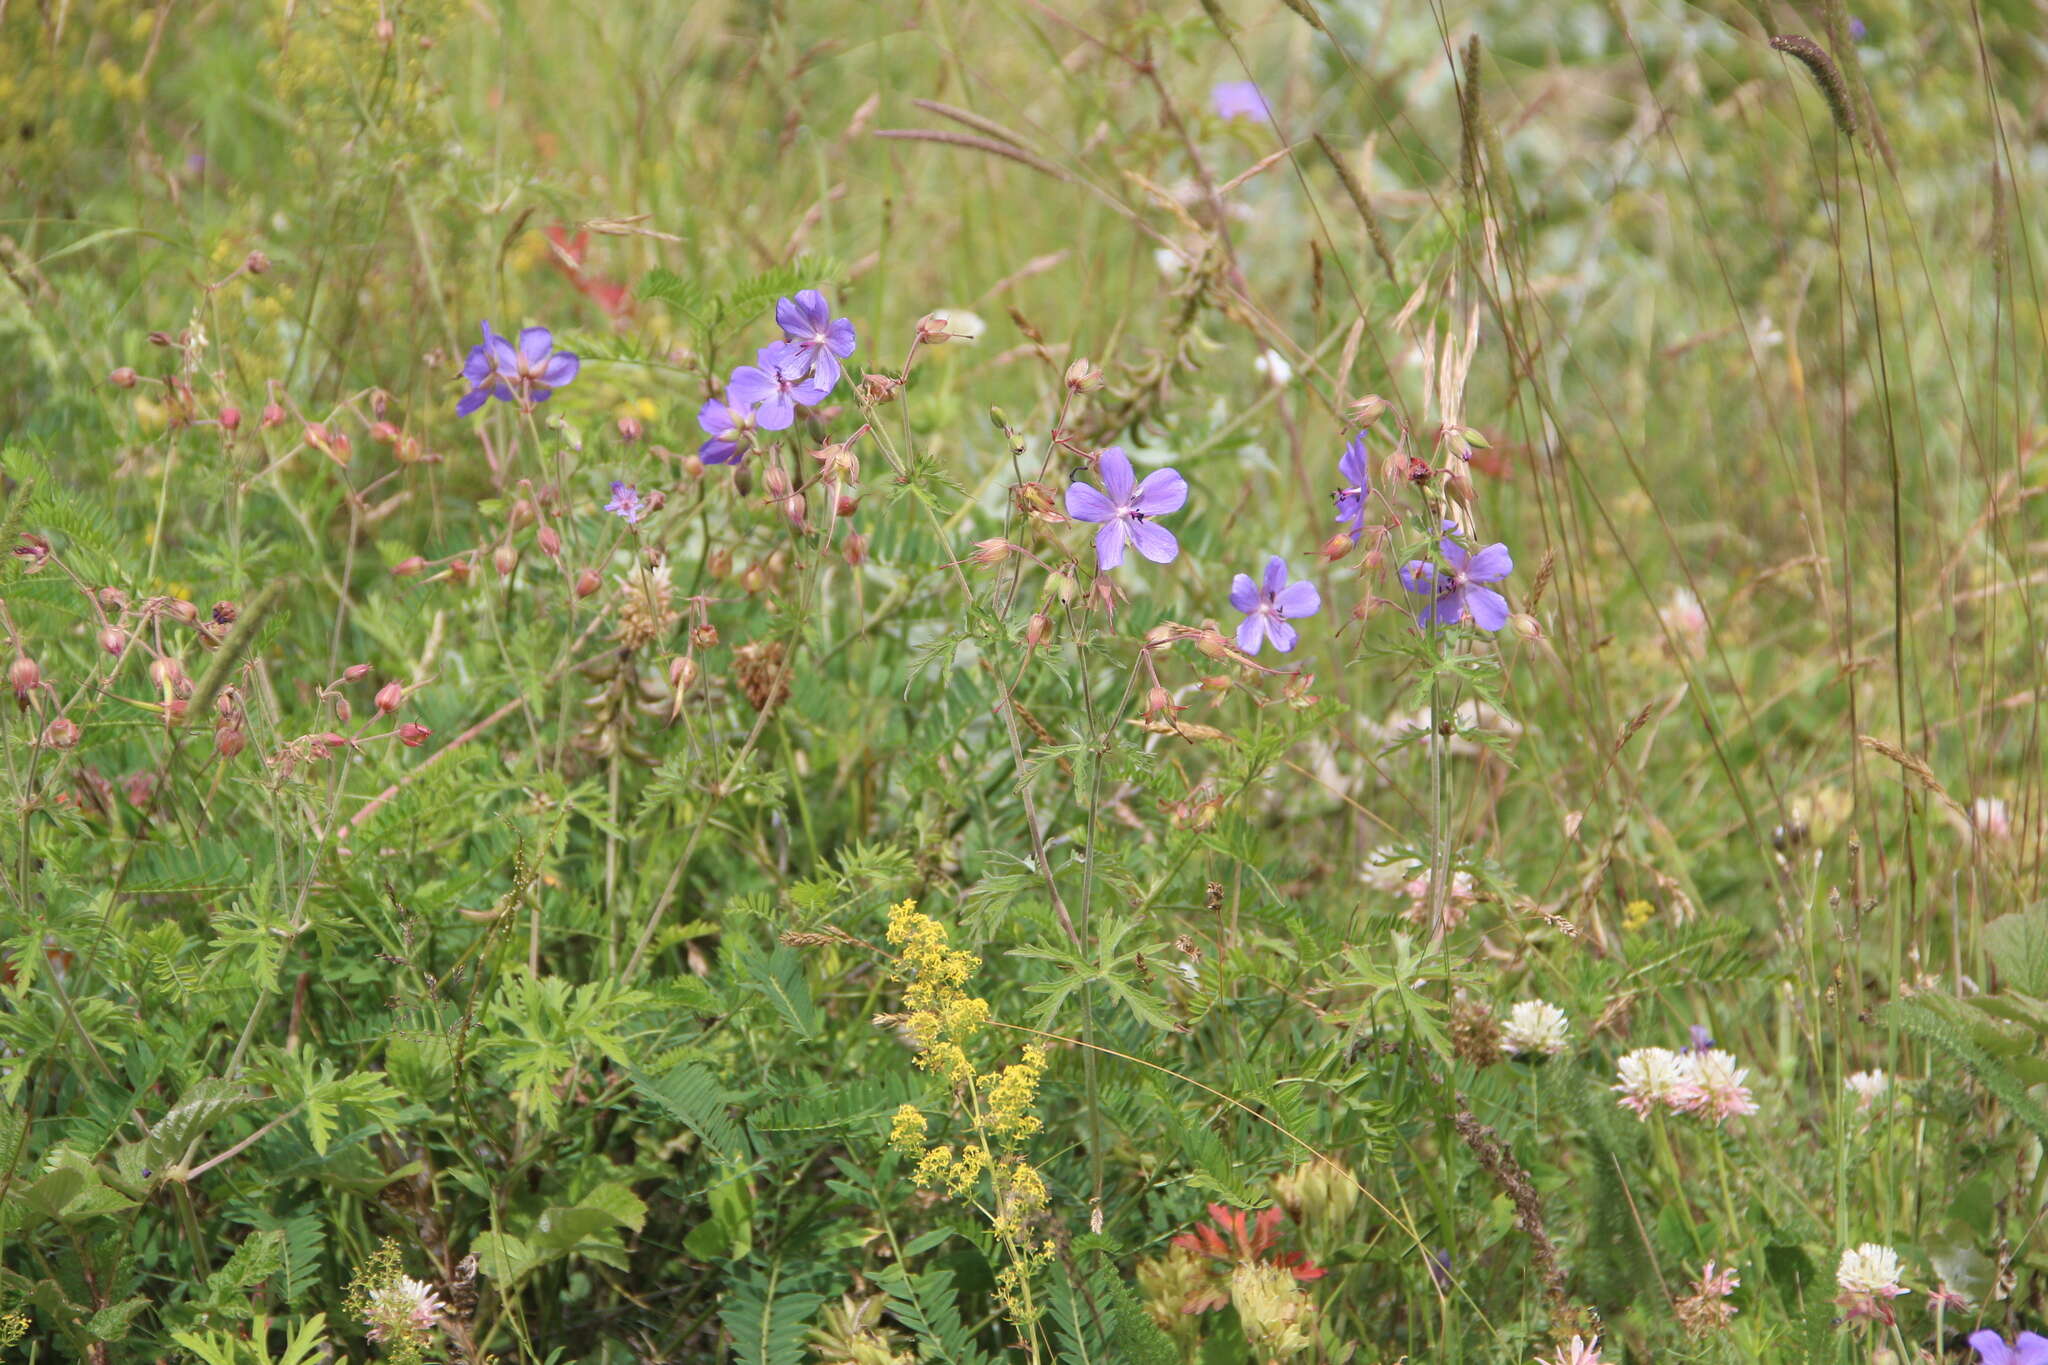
(1337,546)
(588,582)
(775,482)
(856,548)
(113,640)
(704,636)
(112,599)
(406,568)
(459,570)
(682,672)
(1038,630)
(256,263)
(383,433)
(273,415)
(355,673)
(343,712)
(230,418)
(228,740)
(412,734)
(848,505)
(124,377)
(504,559)
(182,610)
(167,674)
(550,541)
(390,697)
(61,733)
(693,466)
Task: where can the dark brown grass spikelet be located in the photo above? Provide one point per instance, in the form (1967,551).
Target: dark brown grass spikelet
(1362,204)
(1306,11)
(1498,1162)
(1826,74)
(1475,1034)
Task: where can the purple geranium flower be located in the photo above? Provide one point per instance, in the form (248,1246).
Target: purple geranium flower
(728,427)
(626,503)
(775,388)
(1702,1040)
(1268,608)
(1126,511)
(1455,591)
(526,373)
(825,340)
(1356,485)
(1240,99)
(2029,1348)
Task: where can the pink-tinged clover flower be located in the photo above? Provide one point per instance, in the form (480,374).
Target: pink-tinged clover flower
(1580,1352)
(526,373)
(2028,1348)
(1354,485)
(1125,509)
(808,324)
(1652,1077)
(777,386)
(729,428)
(1715,1087)
(1456,588)
(1269,606)
(1240,99)
(1868,1277)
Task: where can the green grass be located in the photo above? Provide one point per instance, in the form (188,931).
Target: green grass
(584,1008)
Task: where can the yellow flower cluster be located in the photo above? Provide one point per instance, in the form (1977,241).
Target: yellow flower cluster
(943,1019)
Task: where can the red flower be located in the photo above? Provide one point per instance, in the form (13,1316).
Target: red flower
(1235,1236)
(568,256)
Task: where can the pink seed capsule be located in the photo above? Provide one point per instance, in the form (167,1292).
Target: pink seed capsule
(390,697)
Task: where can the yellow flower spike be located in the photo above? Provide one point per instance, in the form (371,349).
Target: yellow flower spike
(907,1133)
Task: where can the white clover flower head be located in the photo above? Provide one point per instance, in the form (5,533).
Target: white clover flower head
(1653,1076)
(404,1310)
(1580,1352)
(1274,367)
(1535,1026)
(1716,1088)
(1990,818)
(1870,1269)
(1867,1086)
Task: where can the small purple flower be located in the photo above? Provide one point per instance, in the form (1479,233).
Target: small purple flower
(1455,591)
(1240,99)
(526,373)
(1126,511)
(807,322)
(1440,1269)
(776,387)
(626,504)
(1268,608)
(1356,486)
(1857,32)
(1702,1040)
(2029,1348)
(728,427)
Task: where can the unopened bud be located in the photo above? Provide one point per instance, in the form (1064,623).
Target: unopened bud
(846,506)
(775,482)
(61,733)
(682,672)
(1366,411)
(504,559)
(179,609)
(718,563)
(355,673)
(692,466)
(1160,702)
(1083,377)
(406,568)
(26,676)
(1337,546)
(630,429)
(1458,479)
(386,31)
(1526,626)
(754,579)
(1038,629)
(256,263)
(1375,559)
(273,415)
(1063,585)
(123,378)
(412,734)
(383,433)
(459,569)
(389,698)
(230,418)
(550,542)
(228,740)
(856,548)
(588,582)
(343,712)
(113,640)
(167,674)
(992,552)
